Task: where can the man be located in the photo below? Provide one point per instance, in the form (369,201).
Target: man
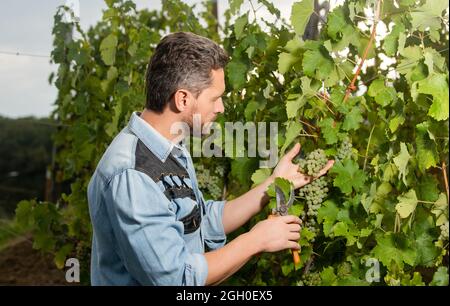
(150,221)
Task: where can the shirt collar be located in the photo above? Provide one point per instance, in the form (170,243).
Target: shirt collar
(152,139)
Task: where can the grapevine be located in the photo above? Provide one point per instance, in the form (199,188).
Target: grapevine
(394,117)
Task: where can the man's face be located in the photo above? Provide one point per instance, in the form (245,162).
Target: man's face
(209,103)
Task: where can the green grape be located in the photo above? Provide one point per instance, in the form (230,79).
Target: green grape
(220,170)
(209,182)
(313,163)
(311,279)
(444,232)
(345,150)
(315,192)
(344,269)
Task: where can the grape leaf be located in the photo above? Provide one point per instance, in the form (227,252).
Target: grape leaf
(411,56)
(292,132)
(391,42)
(383,94)
(349,176)
(294,46)
(407,203)
(317,64)
(352,119)
(286,61)
(440,277)
(328,277)
(237,73)
(437,86)
(427,188)
(330,130)
(239,25)
(416,280)
(241,168)
(395,122)
(293,105)
(260,175)
(342,229)
(440,209)
(108,49)
(342,32)
(283,184)
(300,14)
(61,255)
(401,161)
(424,237)
(327,212)
(428,16)
(426,154)
(235,5)
(394,247)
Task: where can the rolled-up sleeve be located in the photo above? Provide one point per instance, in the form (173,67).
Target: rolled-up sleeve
(212,224)
(150,240)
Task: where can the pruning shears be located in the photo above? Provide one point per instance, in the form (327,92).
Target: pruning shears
(282,209)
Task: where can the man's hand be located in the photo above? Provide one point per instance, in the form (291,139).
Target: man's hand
(276,234)
(288,170)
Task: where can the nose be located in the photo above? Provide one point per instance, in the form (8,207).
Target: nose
(219,107)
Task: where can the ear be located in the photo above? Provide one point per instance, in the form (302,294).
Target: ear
(181,99)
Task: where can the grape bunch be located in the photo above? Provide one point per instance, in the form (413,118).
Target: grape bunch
(444,232)
(344,269)
(345,150)
(209,182)
(313,163)
(310,279)
(220,171)
(315,192)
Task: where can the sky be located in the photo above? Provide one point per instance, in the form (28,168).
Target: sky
(25,28)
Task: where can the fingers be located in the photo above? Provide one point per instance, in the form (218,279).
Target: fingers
(290,219)
(294,227)
(293,152)
(294,236)
(301,180)
(327,167)
(293,245)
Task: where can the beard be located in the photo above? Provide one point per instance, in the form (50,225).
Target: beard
(196,126)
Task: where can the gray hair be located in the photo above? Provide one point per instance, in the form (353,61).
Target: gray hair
(181,60)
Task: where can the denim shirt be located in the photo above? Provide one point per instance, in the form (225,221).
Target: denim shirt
(138,238)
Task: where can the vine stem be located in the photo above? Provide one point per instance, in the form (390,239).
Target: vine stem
(425,202)
(308,124)
(444,172)
(367,148)
(307,135)
(351,87)
(308,265)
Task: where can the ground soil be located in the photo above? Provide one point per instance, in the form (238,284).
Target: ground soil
(20,264)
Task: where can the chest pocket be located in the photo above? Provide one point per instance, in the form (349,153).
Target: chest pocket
(174,177)
(181,194)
